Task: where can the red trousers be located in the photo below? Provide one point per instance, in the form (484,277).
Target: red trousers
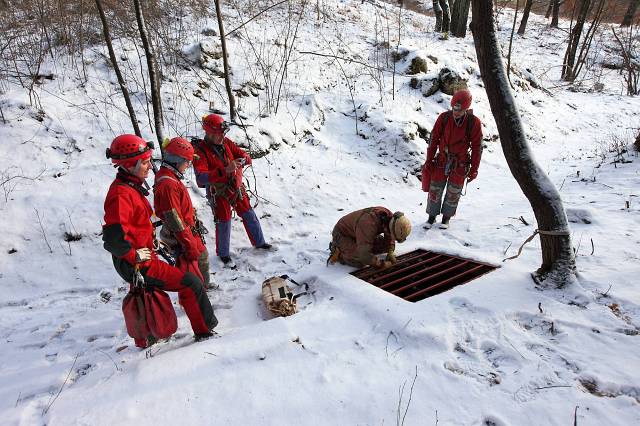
(222,211)
(191,292)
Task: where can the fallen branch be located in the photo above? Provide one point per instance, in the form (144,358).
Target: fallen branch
(554,386)
(342,59)
(46,409)
(254,17)
(114,363)
(44,234)
(400,395)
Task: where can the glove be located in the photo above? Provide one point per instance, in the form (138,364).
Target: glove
(143,255)
(472,175)
(230,168)
(385,264)
(189,244)
(391,257)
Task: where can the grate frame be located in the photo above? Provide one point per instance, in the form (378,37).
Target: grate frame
(421,273)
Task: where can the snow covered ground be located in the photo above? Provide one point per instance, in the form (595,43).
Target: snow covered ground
(497,351)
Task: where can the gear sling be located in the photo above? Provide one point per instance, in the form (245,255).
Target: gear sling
(427,168)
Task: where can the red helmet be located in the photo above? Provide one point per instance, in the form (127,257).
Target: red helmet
(179,147)
(213,123)
(461,99)
(126,150)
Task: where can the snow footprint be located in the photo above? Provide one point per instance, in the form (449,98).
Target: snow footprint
(466,325)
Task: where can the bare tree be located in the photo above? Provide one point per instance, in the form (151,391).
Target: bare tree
(558,259)
(225,63)
(571,66)
(156,100)
(588,39)
(513,29)
(556,12)
(459,18)
(112,56)
(631,12)
(525,17)
(442,10)
(631,67)
(393,78)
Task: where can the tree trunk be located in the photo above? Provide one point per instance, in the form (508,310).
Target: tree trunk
(588,39)
(227,78)
(459,18)
(513,29)
(525,17)
(574,40)
(116,68)
(442,11)
(556,12)
(631,12)
(549,9)
(631,78)
(558,260)
(156,100)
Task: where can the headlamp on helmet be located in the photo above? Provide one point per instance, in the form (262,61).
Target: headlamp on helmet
(214,123)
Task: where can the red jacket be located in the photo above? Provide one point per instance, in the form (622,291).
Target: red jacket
(173,205)
(127,217)
(210,166)
(452,140)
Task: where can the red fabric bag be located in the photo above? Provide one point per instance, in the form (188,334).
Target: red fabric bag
(161,317)
(133,308)
(426,177)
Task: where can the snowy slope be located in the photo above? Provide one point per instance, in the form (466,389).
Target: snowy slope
(496,351)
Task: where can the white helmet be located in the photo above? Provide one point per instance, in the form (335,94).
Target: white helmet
(400,227)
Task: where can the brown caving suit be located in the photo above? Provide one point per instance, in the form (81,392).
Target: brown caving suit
(362,234)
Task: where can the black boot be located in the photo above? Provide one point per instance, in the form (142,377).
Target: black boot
(228,262)
(202,336)
(445,222)
(430,222)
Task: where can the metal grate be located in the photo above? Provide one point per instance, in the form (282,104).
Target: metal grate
(420,274)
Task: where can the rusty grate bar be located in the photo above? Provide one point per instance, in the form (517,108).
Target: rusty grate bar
(429,276)
(443,261)
(407,258)
(435,287)
(421,274)
(405,269)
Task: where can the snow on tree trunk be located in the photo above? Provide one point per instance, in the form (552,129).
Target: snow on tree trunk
(558,260)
